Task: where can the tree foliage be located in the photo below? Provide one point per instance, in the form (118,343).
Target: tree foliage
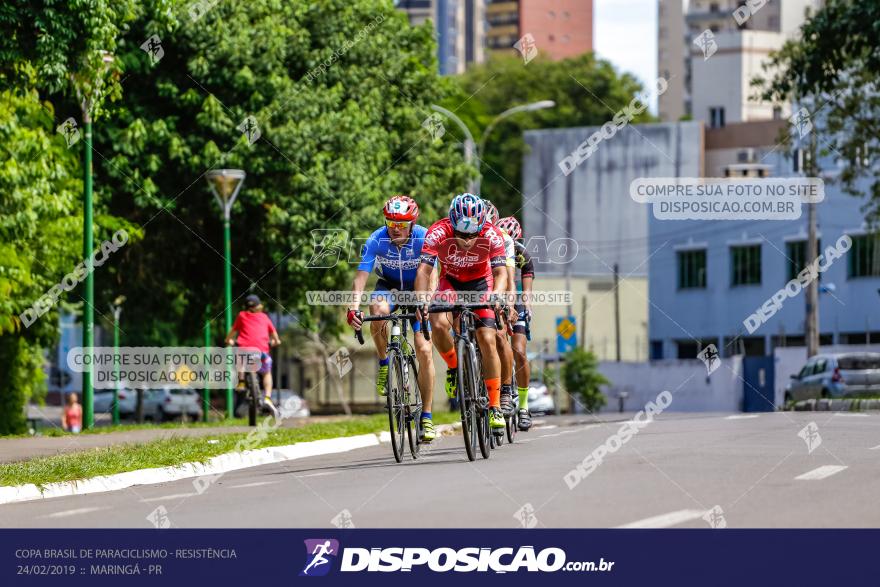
(582,378)
(833,68)
(587,91)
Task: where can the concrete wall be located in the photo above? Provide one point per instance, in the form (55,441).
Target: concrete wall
(592,205)
(595,321)
(692,389)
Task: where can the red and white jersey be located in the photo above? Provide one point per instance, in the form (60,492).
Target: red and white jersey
(459,264)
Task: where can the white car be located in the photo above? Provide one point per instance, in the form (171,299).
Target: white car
(540,399)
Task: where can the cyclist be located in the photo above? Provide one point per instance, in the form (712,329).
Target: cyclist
(471,255)
(395,251)
(525,275)
(505,352)
(254,329)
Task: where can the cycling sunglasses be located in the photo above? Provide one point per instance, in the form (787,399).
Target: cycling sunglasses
(465,236)
(398,224)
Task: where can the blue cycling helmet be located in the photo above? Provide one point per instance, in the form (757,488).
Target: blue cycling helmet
(467,213)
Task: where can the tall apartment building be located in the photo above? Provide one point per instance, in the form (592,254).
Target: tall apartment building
(560,28)
(710,56)
(459,26)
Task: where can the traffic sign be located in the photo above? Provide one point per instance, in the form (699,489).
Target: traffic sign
(566,334)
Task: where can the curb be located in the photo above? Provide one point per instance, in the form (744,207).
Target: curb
(214,466)
(836,405)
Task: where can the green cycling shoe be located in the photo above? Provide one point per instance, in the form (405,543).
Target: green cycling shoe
(382,380)
(451,382)
(496,418)
(428,432)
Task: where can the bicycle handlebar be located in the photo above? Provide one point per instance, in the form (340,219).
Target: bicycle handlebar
(395,317)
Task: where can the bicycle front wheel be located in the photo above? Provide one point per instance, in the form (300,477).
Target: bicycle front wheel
(467,393)
(395,404)
(414,408)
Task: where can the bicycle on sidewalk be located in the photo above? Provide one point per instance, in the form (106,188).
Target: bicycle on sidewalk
(473,398)
(403,400)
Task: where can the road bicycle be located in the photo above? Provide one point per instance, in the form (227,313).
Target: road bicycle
(402,400)
(473,398)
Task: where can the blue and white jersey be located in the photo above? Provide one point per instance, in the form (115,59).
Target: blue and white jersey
(396,265)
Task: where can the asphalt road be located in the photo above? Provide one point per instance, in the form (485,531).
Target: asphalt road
(744,469)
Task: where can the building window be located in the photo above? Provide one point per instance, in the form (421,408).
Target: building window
(777,113)
(656,350)
(864,256)
(713,7)
(745,265)
(692,269)
(716,117)
(796,252)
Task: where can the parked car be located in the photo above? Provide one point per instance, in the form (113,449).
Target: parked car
(540,399)
(104,401)
(836,375)
(298,407)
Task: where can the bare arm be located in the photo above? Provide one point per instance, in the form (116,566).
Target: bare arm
(357,288)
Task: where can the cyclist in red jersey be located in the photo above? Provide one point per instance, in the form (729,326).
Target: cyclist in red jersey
(472,259)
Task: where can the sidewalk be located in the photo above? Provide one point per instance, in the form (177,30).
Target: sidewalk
(21,449)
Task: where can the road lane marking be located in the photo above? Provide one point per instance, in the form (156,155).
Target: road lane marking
(255,484)
(821,472)
(164,497)
(666,520)
(321,474)
(741,417)
(851,415)
(547,427)
(77,512)
(874,447)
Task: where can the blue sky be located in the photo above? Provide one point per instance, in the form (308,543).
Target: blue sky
(625,33)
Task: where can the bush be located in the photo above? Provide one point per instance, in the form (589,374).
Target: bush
(582,378)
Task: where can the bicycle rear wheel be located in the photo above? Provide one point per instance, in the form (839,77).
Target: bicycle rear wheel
(394,401)
(510,426)
(467,398)
(486,439)
(253,391)
(413,400)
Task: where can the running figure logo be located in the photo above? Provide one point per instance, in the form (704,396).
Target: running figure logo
(317,552)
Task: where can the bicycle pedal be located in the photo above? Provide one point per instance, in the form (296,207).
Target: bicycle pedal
(483,402)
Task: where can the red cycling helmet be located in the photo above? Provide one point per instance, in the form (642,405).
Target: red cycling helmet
(492,214)
(401,208)
(511,226)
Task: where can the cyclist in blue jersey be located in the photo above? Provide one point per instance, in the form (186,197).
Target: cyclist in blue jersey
(394,252)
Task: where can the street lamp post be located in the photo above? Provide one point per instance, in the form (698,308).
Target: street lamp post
(469,145)
(507,113)
(87,98)
(116,308)
(225,184)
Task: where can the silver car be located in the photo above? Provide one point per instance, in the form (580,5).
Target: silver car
(835,376)
(540,399)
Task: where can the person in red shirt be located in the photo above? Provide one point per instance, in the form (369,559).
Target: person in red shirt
(254,329)
(472,258)
(71,417)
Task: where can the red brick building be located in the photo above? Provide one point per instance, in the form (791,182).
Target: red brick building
(560,28)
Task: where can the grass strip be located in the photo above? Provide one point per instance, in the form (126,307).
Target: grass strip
(179,450)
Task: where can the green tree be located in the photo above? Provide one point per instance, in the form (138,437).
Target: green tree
(338,90)
(587,91)
(833,69)
(582,378)
(39,231)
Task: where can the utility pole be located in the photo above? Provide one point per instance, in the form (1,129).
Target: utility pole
(810,169)
(584,321)
(617,309)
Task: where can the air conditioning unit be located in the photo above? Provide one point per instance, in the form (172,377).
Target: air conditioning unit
(747,156)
